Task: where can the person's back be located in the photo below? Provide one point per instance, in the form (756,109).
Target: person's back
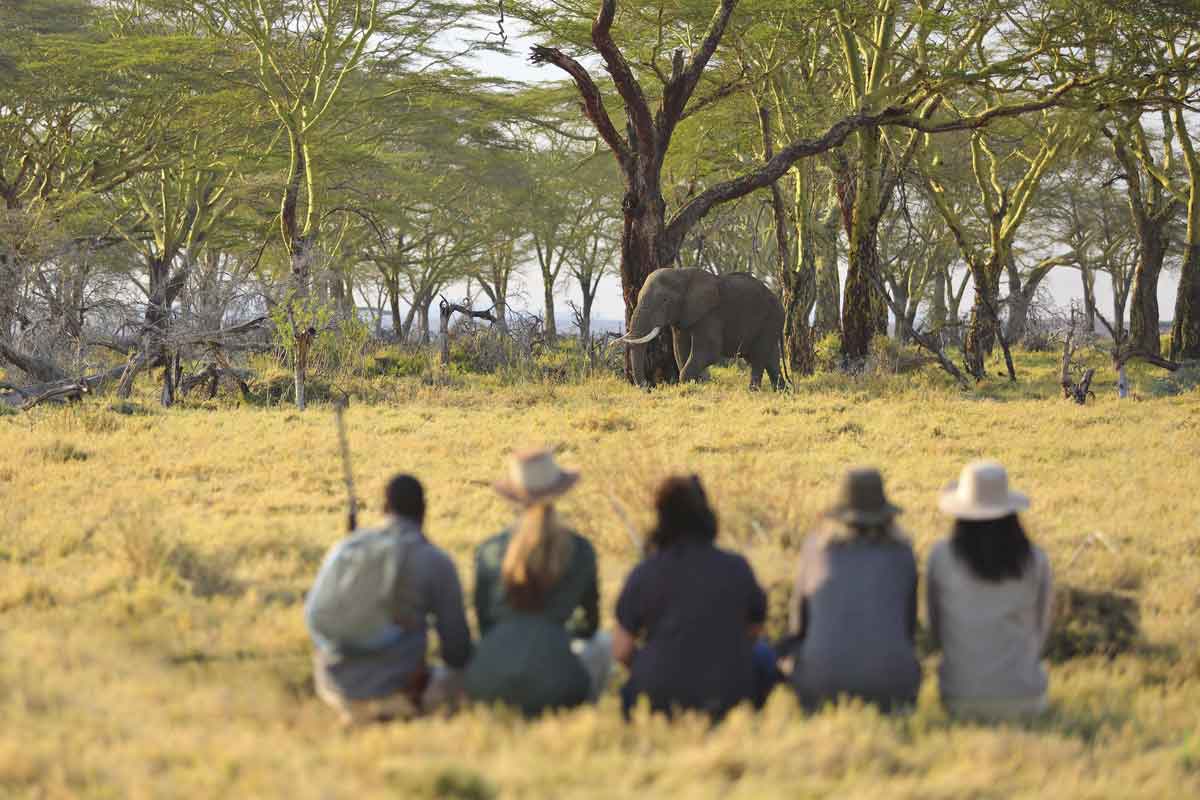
(696,604)
(859,634)
(528,584)
(855,603)
(991,632)
(989,600)
(573,601)
(388,676)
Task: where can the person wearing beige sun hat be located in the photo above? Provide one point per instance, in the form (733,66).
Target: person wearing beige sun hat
(989,591)
(537,599)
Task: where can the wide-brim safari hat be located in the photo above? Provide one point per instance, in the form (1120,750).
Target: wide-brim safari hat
(982,493)
(533,477)
(861,499)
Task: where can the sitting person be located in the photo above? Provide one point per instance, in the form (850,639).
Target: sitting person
(535,589)
(367,615)
(854,609)
(699,611)
(989,600)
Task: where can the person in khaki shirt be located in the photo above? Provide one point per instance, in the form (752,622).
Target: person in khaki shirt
(989,595)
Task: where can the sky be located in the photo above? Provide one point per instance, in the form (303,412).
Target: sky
(1063,284)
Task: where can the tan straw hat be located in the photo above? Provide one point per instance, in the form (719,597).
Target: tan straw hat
(981,493)
(534,477)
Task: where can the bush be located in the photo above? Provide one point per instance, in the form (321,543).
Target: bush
(1182,381)
(887,356)
(828,353)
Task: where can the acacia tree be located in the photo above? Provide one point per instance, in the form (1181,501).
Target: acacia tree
(1007,183)
(650,238)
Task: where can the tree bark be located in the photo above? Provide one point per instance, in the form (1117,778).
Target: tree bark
(829,284)
(1143,309)
(982,325)
(1185,332)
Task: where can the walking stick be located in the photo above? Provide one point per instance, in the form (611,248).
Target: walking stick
(347,473)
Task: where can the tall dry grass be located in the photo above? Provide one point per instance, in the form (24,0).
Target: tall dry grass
(152,569)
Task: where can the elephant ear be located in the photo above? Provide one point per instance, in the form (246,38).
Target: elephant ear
(700,298)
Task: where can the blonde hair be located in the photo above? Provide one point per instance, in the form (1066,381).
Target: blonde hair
(536,557)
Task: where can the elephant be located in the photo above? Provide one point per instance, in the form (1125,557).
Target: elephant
(710,317)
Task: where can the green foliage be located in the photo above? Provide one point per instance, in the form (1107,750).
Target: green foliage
(1185,379)
(828,352)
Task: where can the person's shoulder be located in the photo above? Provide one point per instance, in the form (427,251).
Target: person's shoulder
(433,559)
(492,548)
(1041,561)
(732,560)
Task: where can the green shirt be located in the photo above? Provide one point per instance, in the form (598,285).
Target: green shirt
(574,602)
(525,661)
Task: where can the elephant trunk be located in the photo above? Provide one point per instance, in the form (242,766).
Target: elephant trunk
(636,339)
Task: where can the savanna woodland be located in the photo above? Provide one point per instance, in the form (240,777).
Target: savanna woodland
(221,218)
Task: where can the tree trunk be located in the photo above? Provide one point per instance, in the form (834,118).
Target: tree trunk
(643,250)
(1088,277)
(829,284)
(861,317)
(423,314)
(937,305)
(864,312)
(1185,332)
(1143,311)
(550,323)
(981,328)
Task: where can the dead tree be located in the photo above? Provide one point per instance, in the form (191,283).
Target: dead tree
(1077,391)
(446,309)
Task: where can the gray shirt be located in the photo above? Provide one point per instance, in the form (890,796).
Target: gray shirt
(991,632)
(853,618)
(433,575)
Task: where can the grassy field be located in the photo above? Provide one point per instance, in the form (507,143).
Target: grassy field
(152,567)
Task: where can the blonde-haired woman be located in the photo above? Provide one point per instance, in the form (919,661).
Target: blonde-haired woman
(537,601)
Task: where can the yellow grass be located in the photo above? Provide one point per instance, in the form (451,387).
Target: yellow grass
(152,568)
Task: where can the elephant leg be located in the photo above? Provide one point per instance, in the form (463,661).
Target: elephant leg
(705,348)
(755,377)
(683,348)
(773,372)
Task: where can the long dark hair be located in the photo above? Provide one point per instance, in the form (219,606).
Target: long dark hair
(683,513)
(993,549)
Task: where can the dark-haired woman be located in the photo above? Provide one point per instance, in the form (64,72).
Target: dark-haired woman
(854,610)
(989,599)
(698,611)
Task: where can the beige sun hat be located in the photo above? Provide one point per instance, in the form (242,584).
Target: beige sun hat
(533,477)
(981,493)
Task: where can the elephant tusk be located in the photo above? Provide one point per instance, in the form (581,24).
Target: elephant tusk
(643,339)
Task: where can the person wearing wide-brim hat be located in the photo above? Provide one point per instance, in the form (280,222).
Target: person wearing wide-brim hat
(989,592)
(537,599)
(853,611)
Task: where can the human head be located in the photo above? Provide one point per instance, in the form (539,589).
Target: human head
(862,506)
(683,513)
(987,536)
(536,558)
(404,497)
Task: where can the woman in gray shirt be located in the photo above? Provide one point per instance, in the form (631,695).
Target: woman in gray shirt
(989,599)
(854,610)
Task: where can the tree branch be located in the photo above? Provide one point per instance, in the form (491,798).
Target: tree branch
(593,103)
(623,78)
